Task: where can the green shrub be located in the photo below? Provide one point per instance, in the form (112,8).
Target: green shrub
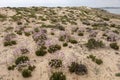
(24,50)
(65,44)
(11,67)
(106,18)
(54,48)
(36,29)
(41,52)
(9,43)
(21,59)
(3,17)
(26,73)
(114,46)
(56,63)
(19,32)
(98,61)
(78,69)
(60,27)
(116,31)
(112,25)
(19,23)
(94,59)
(16,17)
(27,33)
(62,38)
(80,34)
(117,74)
(92,44)
(31,68)
(52,33)
(86,22)
(58,76)
(73,41)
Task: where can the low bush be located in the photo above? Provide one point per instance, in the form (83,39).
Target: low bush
(58,76)
(98,61)
(11,67)
(94,59)
(65,44)
(80,34)
(52,33)
(26,73)
(42,51)
(56,63)
(112,25)
(19,32)
(21,59)
(106,18)
(9,43)
(92,44)
(36,29)
(31,68)
(62,38)
(19,23)
(73,41)
(54,48)
(117,74)
(86,22)
(27,33)
(78,69)
(24,50)
(60,27)
(114,46)
(3,17)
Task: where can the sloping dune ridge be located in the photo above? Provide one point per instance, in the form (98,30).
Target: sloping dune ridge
(59,43)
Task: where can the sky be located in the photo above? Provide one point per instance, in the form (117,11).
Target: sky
(53,3)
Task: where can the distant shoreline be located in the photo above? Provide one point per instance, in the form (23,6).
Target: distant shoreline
(109,7)
(114,10)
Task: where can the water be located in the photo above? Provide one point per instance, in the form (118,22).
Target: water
(115,11)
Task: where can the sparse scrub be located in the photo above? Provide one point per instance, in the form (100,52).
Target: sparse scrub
(80,34)
(21,59)
(36,29)
(3,17)
(62,38)
(27,33)
(114,46)
(11,67)
(54,48)
(60,27)
(73,41)
(78,69)
(24,50)
(9,40)
(41,52)
(31,68)
(112,25)
(9,43)
(58,76)
(52,33)
(106,18)
(19,23)
(55,63)
(117,74)
(92,44)
(65,44)
(94,59)
(26,73)
(86,22)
